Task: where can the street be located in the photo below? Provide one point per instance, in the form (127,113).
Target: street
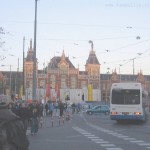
(85,132)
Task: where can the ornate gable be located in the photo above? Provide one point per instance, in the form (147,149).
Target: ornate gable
(140,77)
(114,77)
(30,52)
(63,64)
(56,61)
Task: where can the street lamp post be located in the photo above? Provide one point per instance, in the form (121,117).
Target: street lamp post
(34,56)
(23,69)
(10,73)
(16,79)
(10,82)
(133,64)
(120,72)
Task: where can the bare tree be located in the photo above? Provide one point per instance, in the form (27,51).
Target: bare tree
(1,32)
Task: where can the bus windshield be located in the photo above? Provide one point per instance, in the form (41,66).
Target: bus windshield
(125,96)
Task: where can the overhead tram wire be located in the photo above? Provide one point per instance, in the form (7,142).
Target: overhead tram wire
(129,45)
(75,24)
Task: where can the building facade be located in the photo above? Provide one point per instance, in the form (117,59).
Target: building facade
(61,80)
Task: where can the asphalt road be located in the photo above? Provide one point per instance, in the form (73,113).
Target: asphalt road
(84,132)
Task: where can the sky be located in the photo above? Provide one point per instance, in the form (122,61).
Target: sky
(119,29)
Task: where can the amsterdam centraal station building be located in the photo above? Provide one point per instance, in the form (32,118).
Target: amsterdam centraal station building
(61,80)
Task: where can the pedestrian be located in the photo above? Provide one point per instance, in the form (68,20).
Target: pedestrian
(46,108)
(40,114)
(73,106)
(61,108)
(12,135)
(24,114)
(51,108)
(34,118)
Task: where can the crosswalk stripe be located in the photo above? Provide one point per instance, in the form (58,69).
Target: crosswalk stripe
(136,141)
(101,142)
(105,145)
(115,148)
(144,144)
(148,147)
(93,137)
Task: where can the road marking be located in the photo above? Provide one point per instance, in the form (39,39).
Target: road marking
(148,147)
(144,144)
(86,133)
(89,135)
(92,137)
(114,148)
(101,142)
(97,140)
(122,136)
(129,139)
(136,141)
(115,134)
(109,145)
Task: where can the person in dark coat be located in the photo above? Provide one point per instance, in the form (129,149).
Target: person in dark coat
(34,118)
(14,137)
(24,114)
(46,108)
(61,108)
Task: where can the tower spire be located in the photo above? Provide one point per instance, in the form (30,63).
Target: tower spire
(30,44)
(63,55)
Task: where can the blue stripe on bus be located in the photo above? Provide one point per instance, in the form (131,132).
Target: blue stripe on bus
(127,117)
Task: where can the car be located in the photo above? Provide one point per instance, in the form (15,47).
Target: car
(98,109)
(86,106)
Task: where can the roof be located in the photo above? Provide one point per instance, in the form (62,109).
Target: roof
(124,77)
(30,53)
(55,61)
(92,59)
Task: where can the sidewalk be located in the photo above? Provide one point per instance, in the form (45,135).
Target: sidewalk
(51,136)
(55,121)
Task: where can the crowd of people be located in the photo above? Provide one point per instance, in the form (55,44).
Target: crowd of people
(32,114)
(29,115)
(17,116)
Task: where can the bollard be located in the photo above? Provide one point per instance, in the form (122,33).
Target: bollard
(63,119)
(59,120)
(52,122)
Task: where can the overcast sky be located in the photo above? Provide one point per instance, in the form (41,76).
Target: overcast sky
(119,29)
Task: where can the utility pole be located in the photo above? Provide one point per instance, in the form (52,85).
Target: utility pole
(133,64)
(17,80)
(10,82)
(23,68)
(34,57)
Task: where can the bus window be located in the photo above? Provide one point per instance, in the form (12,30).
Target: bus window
(127,97)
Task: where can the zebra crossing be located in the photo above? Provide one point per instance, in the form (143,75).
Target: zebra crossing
(108,145)
(97,140)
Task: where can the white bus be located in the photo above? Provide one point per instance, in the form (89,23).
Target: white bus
(128,101)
